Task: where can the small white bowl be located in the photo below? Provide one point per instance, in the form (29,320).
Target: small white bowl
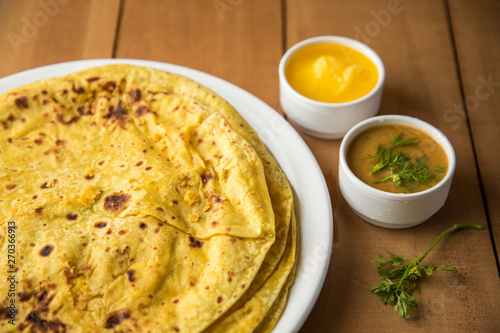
(394,210)
(329,120)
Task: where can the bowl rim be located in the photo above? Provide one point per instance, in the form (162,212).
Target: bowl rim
(404,120)
(340,40)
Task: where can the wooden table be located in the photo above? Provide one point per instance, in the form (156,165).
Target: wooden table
(442,61)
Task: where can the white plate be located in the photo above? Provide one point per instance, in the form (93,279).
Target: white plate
(312,200)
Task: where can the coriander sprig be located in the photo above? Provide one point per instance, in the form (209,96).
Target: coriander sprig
(400,278)
(400,165)
(418,172)
(390,157)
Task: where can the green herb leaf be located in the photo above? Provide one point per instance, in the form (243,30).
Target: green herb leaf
(399,164)
(400,279)
(397,141)
(446,268)
(440,169)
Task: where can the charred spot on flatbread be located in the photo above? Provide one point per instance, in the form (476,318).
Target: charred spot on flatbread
(194,243)
(46,250)
(141,110)
(130,275)
(135,94)
(21,102)
(116,201)
(109,86)
(39,324)
(117,114)
(116,319)
(100,225)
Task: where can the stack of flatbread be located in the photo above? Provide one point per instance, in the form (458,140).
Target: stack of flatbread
(143,202)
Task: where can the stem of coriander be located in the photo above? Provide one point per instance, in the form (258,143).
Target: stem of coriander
(450,229)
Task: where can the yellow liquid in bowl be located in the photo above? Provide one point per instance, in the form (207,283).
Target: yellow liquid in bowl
(331,73)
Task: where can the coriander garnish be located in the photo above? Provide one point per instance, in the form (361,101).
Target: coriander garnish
(399,281)
(440,169)
(400,165)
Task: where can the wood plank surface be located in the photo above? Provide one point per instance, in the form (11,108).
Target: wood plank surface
(436,53)
(476,27)
(413,40)
(37,33)
(239,41)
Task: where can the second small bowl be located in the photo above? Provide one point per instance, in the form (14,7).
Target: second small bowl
(329,120)
(394,210)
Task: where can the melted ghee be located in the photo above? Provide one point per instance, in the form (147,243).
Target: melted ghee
(331,73)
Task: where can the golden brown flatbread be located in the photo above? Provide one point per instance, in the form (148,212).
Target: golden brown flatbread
(142,201)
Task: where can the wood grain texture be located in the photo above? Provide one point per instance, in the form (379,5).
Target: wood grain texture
(242,41)
(476,27)
(239,41)
(36,33)
(413,40)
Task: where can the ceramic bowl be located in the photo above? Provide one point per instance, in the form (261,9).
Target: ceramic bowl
(394,210)
(329,120)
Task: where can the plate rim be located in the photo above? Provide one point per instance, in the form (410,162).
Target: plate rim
(312,197)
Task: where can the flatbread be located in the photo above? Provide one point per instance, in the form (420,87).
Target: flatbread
(262,310)
(142,200)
